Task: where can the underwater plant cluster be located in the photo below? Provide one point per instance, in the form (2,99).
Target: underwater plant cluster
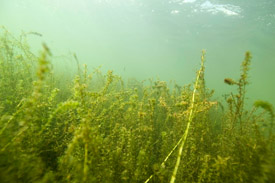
(101,128)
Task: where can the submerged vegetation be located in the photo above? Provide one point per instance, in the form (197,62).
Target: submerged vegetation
(99,128)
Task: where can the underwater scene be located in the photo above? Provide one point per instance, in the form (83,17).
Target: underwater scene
(137,91)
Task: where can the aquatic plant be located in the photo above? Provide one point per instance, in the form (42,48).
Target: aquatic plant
(101,128)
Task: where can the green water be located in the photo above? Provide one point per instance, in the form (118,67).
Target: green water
(62,121)
(157,38)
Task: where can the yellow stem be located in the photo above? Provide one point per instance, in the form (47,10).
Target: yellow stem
(191,114)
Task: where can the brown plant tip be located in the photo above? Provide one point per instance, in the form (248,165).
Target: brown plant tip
(229,81)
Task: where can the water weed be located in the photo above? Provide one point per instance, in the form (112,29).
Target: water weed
(103,128)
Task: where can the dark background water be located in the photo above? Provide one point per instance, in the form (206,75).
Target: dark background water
(156,38)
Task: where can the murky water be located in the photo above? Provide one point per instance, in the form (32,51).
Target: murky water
(156,38)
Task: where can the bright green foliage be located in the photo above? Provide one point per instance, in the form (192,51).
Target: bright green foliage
(103,129)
